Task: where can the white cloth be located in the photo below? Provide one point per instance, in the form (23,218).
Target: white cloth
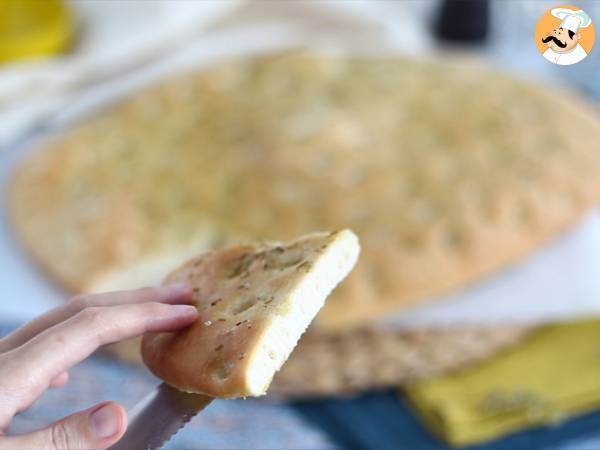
(115,38)
(558,282)
(132,42)
(566,58)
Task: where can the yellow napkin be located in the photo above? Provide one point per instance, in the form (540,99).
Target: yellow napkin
(553,374)
(31,28)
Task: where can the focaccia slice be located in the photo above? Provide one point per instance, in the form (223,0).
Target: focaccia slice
(255,301)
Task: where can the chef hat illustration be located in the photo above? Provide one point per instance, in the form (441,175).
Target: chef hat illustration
(572,20)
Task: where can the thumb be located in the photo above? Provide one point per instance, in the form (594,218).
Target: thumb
(98,427)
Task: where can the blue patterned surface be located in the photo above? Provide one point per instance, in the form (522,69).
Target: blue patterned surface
(374,421)
(382,421)
(249,424)
(240,424)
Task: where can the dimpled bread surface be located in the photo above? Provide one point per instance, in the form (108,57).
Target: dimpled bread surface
(446,170)
(254,304)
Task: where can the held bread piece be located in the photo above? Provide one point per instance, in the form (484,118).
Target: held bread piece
(254,302)
(447,171)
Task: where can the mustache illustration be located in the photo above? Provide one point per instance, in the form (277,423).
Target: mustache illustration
(556,41)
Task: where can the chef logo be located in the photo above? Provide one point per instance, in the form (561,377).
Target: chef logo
(565,35)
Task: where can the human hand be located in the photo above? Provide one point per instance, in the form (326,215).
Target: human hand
(39,354)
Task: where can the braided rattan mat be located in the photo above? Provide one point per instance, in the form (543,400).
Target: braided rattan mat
(351,362)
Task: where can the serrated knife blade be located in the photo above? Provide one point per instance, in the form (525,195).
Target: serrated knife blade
(159,416)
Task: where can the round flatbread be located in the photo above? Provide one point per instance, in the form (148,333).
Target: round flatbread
(447,171)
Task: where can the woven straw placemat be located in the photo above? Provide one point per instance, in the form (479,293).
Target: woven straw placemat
(352,362)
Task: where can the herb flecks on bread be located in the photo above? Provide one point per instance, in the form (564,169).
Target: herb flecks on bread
(255,301)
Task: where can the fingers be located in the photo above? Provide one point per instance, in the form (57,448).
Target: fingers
(26,372)
(171,294)
(98,427)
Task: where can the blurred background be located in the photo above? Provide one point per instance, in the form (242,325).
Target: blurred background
(531,379)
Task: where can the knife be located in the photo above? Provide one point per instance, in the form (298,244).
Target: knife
(158,416)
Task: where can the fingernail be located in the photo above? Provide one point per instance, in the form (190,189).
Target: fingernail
(177,289)
(104,422)
(174,317)
(183,310)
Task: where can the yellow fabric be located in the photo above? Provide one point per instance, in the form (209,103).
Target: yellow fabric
(30,28)
(553,374)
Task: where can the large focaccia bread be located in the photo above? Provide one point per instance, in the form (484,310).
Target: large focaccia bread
(254,304)
(446,171)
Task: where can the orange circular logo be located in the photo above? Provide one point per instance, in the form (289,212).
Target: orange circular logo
(565,35)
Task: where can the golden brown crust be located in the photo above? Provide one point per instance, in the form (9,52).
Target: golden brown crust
(447,173)
(254,302)
(213,349)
